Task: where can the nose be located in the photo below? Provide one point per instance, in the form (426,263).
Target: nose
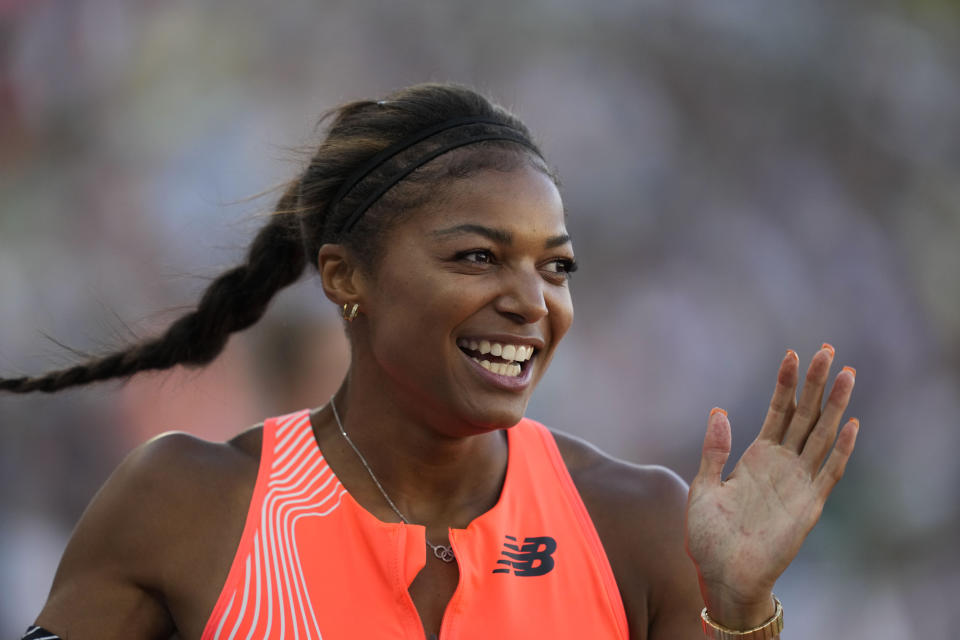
(523,298)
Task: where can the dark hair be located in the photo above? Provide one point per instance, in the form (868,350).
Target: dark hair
(306,218)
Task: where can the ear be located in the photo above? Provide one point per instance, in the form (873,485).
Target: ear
(342,279)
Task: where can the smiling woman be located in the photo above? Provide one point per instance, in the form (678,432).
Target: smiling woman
(419,500)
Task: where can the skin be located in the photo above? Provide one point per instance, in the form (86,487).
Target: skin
(487,263)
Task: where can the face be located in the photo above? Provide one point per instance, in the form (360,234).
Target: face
(471,298)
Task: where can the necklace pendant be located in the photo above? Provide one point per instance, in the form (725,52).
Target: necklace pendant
(443,552)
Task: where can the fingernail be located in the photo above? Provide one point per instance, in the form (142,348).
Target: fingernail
(791,352)
(829,347)
(717,410)
(852,371)
(855,421)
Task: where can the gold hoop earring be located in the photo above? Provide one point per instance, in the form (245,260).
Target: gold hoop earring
(352,313)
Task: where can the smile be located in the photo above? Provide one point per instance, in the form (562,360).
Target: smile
(502,359)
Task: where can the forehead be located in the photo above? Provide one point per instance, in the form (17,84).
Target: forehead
(524,202)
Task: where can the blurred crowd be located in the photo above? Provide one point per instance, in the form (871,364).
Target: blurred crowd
(741,177)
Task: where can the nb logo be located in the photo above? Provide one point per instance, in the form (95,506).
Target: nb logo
(532,558)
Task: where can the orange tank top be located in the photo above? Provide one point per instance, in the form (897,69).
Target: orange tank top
(313,564)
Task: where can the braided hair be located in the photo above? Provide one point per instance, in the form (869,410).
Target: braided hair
(312,212)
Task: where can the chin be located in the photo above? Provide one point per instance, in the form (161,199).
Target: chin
(493,418)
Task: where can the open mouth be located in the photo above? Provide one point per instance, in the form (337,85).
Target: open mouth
(510,360)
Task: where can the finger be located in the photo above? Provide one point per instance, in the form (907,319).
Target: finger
(811,397)
(716,447)
(832,471)
(784,400)
(821,438)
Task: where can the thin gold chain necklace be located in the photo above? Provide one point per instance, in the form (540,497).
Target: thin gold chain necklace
(441,551)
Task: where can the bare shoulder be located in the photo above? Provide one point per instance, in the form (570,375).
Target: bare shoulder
(169,480)
(639,513)
(176,453)
(183,475)
(163,525)
(612,483)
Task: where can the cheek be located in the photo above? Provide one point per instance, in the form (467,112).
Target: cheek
(412,317)
(435,300)
(561,314)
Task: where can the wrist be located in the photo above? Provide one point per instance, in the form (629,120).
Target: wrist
(737,613)
(767,630)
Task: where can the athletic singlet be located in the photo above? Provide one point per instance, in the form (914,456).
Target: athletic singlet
(312,563)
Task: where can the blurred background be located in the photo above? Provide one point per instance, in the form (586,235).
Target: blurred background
(742,177)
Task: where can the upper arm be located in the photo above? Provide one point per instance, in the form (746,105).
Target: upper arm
(110,580)
(675,601)
(639,513)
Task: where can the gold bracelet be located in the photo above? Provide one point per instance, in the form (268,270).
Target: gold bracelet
(767,631)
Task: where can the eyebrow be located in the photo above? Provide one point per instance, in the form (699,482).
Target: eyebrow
(497,235)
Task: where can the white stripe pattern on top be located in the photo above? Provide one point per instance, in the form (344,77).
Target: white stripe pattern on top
(39,633)
(273,599)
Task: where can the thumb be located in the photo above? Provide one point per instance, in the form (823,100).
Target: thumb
(716,447)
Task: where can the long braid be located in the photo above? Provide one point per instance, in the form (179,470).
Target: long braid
(232,302)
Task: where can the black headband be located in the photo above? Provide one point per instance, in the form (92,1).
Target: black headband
(506,132)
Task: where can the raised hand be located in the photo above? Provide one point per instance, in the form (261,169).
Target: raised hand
(742,532)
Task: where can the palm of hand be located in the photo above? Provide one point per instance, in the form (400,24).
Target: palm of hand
(744,531)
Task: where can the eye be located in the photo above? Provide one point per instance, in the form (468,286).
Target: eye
(562,266)
(476,256)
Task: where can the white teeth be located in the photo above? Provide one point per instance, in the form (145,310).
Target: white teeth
(511,369)
(514,352)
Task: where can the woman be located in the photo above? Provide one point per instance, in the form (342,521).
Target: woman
(418,500)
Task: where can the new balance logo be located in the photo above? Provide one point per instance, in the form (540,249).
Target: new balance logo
(532,558)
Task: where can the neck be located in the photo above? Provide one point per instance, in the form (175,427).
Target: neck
(434,478)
